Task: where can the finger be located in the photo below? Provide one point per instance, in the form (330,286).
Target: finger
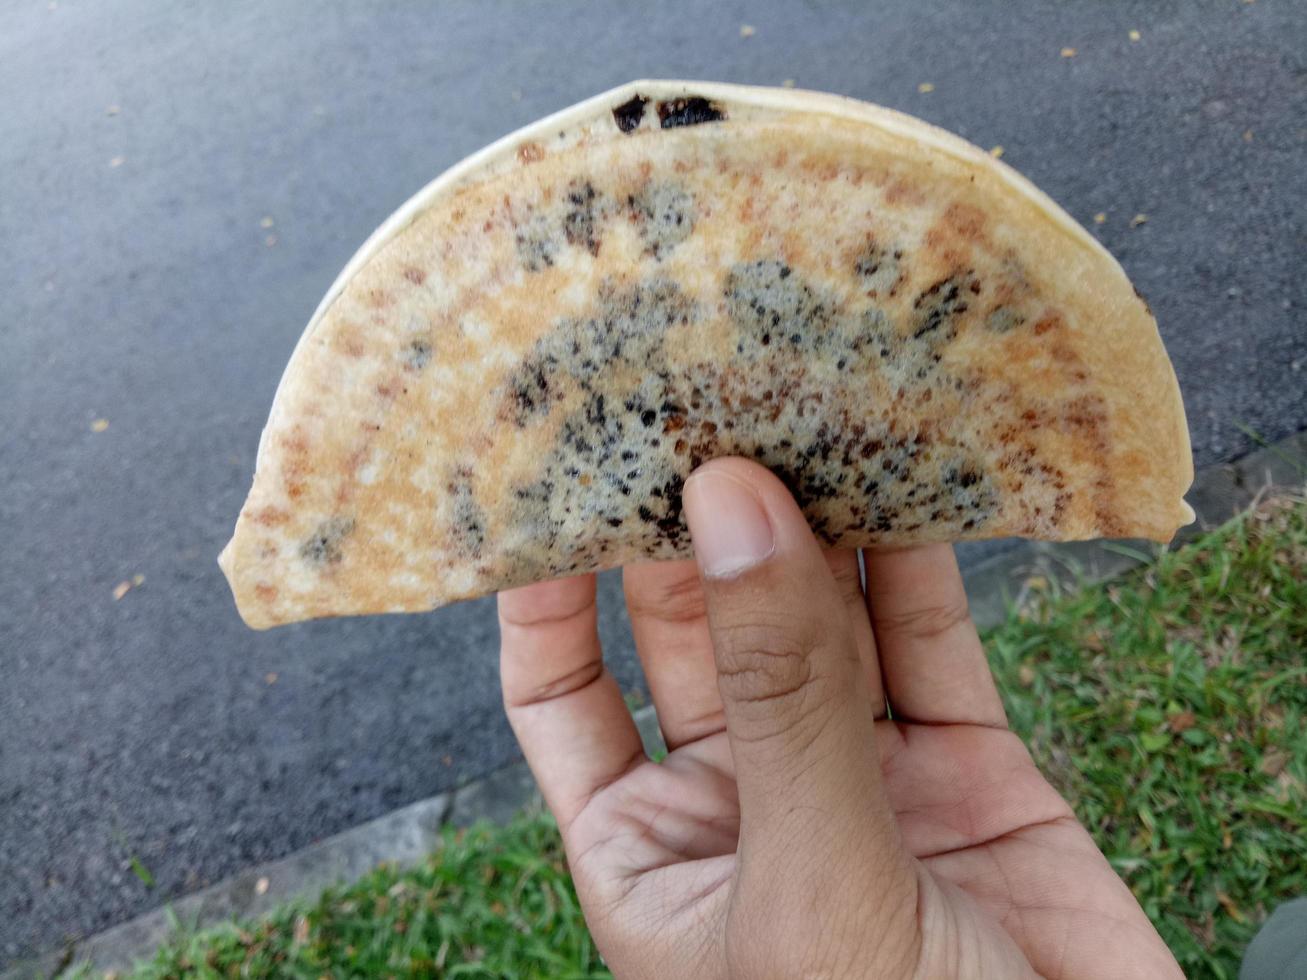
(798,713)
(565,708)
(848,583)
(931,660)
(670,625)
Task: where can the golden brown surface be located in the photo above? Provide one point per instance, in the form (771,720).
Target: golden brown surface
(515,376)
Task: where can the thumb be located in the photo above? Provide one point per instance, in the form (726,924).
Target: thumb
(798,712)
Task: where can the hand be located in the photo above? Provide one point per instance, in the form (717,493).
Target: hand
(794,829)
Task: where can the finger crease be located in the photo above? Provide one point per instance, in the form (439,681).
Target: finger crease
(560,687)
(906,721)
(636,758)
(693,729)
(685,607)
(1061,820)
(927,623)
(548,619)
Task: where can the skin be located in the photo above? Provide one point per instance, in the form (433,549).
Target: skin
(795,829)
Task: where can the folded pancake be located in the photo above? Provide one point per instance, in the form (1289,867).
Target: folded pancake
(513,377)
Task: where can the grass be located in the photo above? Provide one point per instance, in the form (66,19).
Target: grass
(492,902)
(1169,706)
(1171,709)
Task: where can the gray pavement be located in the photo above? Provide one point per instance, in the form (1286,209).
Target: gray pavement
(143,145)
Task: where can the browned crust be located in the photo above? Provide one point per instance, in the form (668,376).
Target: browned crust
(391,411)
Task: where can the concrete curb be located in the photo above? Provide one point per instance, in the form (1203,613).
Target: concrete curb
(405,836)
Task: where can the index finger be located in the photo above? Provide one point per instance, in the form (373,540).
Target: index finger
(565,707)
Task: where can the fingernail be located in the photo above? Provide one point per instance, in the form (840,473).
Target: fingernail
(730,529)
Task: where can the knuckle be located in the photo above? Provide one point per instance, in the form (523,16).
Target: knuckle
(928,622)
(763,661)
(674,599)
(753,676)
(520,696)
(777,678)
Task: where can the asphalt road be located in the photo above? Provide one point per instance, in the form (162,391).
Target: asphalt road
(182,181)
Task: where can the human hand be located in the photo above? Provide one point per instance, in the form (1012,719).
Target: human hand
(794,830)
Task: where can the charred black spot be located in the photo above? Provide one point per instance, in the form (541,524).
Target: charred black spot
(629,113)
(323,547)
(1140,296)
(962,477)
(690,111)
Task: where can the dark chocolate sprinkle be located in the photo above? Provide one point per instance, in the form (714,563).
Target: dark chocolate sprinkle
(690,111)
(629,113)
(705,413)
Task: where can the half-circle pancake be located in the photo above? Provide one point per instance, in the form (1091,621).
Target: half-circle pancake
(513,377)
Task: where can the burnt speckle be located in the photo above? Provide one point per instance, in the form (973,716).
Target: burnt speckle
(634,415)
(880,269)
(576,222)
(629,113)
(627,327)
(579,218)
(530,386)
(689,111)
(664,213)
(771,306)
(768,303)
(940,305)
(537,243)
(416,354)
(469,519)
(1003,319)
(323,546)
